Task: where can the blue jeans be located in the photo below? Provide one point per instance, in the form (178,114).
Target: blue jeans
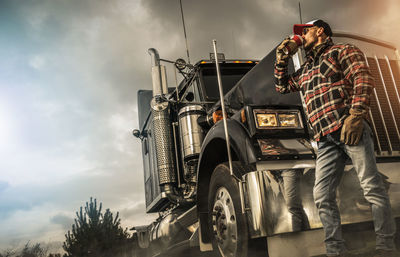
(332,155)
(290,188)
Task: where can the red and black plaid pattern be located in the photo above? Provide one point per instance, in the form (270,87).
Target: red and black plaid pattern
(333,79)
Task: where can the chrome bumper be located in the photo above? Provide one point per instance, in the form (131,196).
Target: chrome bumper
(266,210)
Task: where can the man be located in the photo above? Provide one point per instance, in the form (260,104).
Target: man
(336,84)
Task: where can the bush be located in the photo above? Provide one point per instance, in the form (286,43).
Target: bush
(36,250)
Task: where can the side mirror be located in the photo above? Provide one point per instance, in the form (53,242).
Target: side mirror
(136,133)
(180,64)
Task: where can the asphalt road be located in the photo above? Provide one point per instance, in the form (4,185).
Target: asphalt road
(367,252)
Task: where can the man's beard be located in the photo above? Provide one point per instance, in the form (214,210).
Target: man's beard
(308,47)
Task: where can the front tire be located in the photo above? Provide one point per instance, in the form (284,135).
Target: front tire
(227,223)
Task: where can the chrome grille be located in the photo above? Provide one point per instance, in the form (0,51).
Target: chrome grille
(395,71)
(385,105)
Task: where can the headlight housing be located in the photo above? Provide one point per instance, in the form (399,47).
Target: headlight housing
(277,119)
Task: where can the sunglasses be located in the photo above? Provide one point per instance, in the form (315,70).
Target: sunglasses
(307,29)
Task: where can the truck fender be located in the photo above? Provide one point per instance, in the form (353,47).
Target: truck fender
(214,152)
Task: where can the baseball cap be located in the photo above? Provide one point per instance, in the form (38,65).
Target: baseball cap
(298,28)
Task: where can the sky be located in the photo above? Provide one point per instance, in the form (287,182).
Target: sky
(69,75)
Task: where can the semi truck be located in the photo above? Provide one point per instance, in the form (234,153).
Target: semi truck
(216,183)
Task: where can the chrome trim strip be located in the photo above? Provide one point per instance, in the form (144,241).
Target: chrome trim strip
(390,107)
(372,120)
(393,80)
(397,93)
(387,97)
(242,184)
(285,164)
(383,120)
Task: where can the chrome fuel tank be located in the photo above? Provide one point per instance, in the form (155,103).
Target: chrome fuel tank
(192,134)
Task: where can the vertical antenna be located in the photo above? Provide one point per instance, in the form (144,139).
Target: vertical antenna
(224,114)
(301,19)
(233,42)
(184,32)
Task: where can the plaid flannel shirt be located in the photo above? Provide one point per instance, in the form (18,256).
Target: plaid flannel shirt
(333,79)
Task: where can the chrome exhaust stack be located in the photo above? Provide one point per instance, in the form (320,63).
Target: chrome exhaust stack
(158,74)
(163,132)
(161,123)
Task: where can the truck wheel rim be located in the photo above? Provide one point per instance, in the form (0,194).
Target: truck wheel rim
(224,223)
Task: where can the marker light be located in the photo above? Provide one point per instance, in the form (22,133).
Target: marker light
(217,116)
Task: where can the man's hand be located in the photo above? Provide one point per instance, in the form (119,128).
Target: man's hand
(352,128)
(281,57)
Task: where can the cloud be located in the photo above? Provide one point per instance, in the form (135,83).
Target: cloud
(37,62)
(3,185)
(250,29)
(63,220)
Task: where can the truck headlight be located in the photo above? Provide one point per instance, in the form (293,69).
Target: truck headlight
(277,119)
(266,120)
(288,120)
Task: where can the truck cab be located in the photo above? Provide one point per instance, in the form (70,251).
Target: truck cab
(198,94)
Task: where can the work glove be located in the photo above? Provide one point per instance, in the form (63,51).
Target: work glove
(352,128)
(281,57)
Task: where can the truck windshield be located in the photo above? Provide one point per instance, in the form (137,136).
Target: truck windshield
(230,75)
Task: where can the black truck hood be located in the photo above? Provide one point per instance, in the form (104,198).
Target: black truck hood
(257,87)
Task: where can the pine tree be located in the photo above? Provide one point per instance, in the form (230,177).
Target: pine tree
(95,234)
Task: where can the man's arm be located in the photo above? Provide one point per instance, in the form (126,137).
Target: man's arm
(355,69)
(285,83)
